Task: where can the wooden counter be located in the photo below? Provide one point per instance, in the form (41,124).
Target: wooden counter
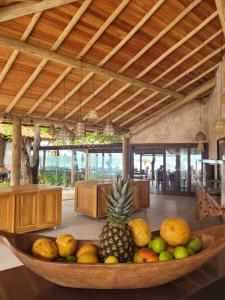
(207,205)
(30,207)
(90,198)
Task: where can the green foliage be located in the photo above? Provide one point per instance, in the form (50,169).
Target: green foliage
(5,183)
(53,178)
(92,139)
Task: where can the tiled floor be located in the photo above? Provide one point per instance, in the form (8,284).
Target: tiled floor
(83,227)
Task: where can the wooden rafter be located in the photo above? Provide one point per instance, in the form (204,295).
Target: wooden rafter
(96,36)
(14,54)
(165,98)
(178,44)
(114,50)
(183,74)
(29,7)
(156,39)
(161,34)
(174,106)
(220,5)
(44,61)
(179,62)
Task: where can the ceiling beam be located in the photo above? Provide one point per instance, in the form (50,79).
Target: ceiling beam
(183,74)
(220,5)
(100,31)
(44,61)
(63,59)
(174,106)
(103,61)
(29,7)
(14,54)
(165,54)
(179,62)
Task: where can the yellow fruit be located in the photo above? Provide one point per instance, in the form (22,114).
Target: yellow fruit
(66,244)
(87,258)
(175,231)
(111,260)
(86,248)
(141,232)
(45,249)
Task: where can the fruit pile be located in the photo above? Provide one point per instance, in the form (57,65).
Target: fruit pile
(123,242)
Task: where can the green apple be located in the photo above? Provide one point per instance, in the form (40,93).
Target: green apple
(165,255)
(180,252)
(195,243)
(158,245)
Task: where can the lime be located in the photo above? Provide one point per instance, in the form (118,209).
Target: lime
(165,255)
(194,243)
(158,245)
(150,244)
(190,251)
(71,259)
(111,260)
(180,252)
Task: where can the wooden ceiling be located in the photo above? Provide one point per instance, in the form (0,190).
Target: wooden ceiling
(137,57)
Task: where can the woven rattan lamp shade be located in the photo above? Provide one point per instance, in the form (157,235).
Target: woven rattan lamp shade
(219,127)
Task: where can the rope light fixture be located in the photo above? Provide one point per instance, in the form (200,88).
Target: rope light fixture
(81,130)
(109,129)
(200,136)
(52,130)
(93,114)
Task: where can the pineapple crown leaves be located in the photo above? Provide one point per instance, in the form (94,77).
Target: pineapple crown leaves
(120,201)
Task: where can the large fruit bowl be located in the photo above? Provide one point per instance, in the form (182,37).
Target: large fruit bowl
(114,276)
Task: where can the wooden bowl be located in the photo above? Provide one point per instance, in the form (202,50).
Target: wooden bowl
(115,276)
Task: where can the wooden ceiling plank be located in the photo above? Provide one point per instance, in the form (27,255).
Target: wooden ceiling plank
(67,96)
(100,31)
(172,49)
(186,57)
(49,90)
(174,106)
(132,32)
(54,47)
(29,7)
(220,5)
(86,100)
(117,48)
(178,44)
(160,35)
(14,54)
(167,97)
(183,74)
(121,104)
(44,53)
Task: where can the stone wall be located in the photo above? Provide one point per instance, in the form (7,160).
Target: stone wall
(179,126)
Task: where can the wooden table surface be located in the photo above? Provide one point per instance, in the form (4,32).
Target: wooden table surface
(207,282)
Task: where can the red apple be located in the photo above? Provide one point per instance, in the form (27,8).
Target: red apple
(145,255)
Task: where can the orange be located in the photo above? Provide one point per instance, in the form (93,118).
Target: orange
(175,231)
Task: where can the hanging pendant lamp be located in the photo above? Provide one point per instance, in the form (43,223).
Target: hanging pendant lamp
(64,132)
(52,130)
(109,128)
(81,128)
(200,136)
(93,115)
(219,125)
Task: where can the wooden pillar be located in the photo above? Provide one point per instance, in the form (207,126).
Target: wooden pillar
(16,152)
(126,157)
(44,160)
(2,150)
(72,168)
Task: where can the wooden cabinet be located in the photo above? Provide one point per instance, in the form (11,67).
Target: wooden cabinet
(90,198)
(29,208)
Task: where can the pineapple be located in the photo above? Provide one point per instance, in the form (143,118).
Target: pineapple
(115,238)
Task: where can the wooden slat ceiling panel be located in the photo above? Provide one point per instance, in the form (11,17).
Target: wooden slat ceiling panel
(188,17)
